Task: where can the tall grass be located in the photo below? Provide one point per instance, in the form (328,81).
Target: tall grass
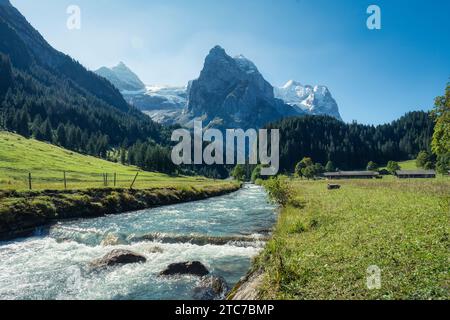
(323,248)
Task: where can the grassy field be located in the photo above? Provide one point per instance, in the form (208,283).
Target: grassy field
(407,165)
(325,241)
(20,156)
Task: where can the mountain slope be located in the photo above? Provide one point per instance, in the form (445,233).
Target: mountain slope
(49,90)
(315,100)
(46,56)
(231,92)
(47,162)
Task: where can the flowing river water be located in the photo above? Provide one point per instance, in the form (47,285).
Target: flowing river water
(55,263)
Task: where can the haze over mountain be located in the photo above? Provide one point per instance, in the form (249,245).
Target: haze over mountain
(229,92)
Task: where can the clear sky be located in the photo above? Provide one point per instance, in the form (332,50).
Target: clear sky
(375,75)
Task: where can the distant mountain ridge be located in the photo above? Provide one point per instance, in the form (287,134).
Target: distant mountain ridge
(229,91)
(122,78)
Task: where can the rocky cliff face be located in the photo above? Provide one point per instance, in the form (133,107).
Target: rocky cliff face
(231,92)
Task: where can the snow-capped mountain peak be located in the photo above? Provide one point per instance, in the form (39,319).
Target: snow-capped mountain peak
(291,84)
(312,99)
(122,77)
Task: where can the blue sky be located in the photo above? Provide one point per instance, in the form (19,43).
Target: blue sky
(375,76)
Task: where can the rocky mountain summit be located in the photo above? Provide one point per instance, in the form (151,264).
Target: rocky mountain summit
(232,92)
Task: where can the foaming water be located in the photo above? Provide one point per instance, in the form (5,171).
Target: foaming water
(55,263)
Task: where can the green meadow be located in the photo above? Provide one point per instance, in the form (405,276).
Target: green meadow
(326,240)
(46,163)
(407,165)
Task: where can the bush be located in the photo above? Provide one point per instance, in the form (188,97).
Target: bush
(279,190)
(372,166)
(393,167)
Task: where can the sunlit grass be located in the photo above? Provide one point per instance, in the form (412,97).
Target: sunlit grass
(322,249)
(47,163)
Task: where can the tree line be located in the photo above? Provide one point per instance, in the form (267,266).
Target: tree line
(352,146)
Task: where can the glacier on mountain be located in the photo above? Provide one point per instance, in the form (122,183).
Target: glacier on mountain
(316,100)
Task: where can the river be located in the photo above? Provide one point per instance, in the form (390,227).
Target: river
(54,263)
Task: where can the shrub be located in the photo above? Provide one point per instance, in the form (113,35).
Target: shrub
(393,167)
(279,190)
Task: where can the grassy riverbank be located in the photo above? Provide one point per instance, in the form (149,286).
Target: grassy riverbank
(84,193)
(325,241)
(22,212)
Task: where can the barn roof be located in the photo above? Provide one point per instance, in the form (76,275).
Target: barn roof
(351,173)
(415,172)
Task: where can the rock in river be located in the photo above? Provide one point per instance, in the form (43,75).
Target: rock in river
(186,268)
(211,288)
(118,257)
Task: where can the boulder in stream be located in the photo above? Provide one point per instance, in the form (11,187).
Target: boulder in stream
(194,268)
(211,288)
(118,257)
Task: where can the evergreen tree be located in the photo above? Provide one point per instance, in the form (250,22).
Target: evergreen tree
(123,156)
(23,124)
(46,131)
(330,167)
(6,76)
(61,135)
(422,159)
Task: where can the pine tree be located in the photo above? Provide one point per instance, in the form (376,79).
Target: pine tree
(6,77)
(61,135)
(330,167)
(22,124)
(422,159)
(46,131)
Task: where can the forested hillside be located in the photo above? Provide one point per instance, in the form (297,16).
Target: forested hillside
(352,146)
(46,94)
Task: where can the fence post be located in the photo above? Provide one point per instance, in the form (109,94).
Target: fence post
(106,179)
(115,179)
(65,181)
(29,180)
(132,184)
